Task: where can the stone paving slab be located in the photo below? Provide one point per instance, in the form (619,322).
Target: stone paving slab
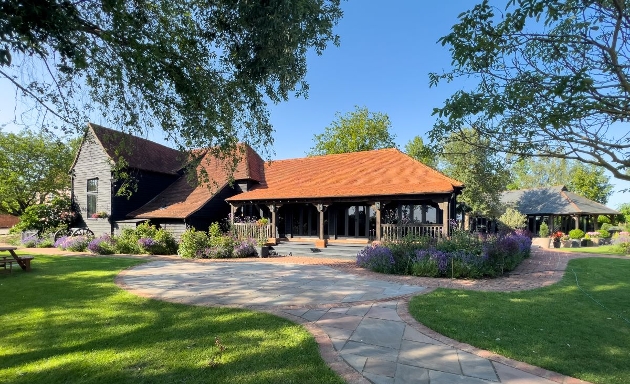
(356,315)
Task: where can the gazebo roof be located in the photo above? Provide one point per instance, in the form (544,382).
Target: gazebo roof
(555,200)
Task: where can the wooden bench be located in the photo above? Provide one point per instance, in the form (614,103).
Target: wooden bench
(24,261)
(5,261)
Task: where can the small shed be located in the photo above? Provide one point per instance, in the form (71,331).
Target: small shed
(560,209)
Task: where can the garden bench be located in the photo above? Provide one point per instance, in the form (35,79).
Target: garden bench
(24,261)
(5,261)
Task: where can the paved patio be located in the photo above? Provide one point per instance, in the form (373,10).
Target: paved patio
(360,320)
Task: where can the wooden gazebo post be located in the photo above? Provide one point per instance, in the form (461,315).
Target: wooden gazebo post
(321,242)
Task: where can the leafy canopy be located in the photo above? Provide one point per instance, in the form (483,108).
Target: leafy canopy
(589,181)
(360,130)
(423,153)
(464,157)
(32,165)
(200,70)
(552,80)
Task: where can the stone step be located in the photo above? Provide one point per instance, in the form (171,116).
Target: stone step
(343,251)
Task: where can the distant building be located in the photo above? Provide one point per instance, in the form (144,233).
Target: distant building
(560,209)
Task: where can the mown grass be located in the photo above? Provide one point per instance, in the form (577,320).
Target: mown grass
(67,322)
(558,327)
(599,250)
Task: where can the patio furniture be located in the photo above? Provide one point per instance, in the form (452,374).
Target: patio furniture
(23,261)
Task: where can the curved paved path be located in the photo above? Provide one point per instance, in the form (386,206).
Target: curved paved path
(359,318)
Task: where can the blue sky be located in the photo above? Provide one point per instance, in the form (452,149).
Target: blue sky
(387,51)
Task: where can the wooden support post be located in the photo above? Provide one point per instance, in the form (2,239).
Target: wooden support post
(321,243)
(445,207)
(377,207)
(274,210)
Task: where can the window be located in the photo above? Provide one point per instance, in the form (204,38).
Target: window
(92,196)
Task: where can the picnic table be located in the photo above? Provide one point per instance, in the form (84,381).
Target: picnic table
(23,261)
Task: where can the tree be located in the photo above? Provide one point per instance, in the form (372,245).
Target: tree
(513,219)
(553,80)
(465,158)
(360,130)
(591,182)
(32,165)
(625,213)
(586,180)
(200,70)
(424,154)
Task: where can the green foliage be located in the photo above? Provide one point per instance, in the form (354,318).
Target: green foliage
(586,180)
(601,219)
(548,80)
(202,71)
(603,233)
(591,182)
(576,234)
(133,240)
(544,230)
(513,219)
(482,171)
(424,154)
(625,212)
(47,217)
(191,242)
(356,131)
(33,166)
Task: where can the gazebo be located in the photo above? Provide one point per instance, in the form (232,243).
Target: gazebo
(560,209)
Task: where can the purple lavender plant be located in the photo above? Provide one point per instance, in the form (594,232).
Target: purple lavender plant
(377,258)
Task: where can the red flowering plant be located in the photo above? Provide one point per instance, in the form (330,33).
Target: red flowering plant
(556,236)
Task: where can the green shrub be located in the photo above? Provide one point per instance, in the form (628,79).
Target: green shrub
(404,250)
(127,242)
(544,230)
(606,226)
(576,234)
(192,244)
(604,234)
(513,219)
(46,218)
(145,238)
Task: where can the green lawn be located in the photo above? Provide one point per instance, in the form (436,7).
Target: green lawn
(67,322)
(558,327)
(599,250)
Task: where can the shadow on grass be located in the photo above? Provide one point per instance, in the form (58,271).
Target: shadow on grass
(583,334)
(67,322)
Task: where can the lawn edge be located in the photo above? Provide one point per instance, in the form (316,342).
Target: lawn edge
(405,315)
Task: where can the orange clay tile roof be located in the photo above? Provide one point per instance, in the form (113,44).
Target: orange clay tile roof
(139,153)
(384,172)
(181,199)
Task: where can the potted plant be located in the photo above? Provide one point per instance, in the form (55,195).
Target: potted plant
(576,236)
(100,215)
(586,241)
(556,237)
(594,236)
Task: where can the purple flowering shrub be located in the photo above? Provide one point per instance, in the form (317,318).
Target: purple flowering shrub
(102,245)
(73,243)
(148,245)
(378,258)
(31,241)
(245,248)
(463,255)
(622,241)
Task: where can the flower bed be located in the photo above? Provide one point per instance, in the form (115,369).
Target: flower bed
(463,255)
